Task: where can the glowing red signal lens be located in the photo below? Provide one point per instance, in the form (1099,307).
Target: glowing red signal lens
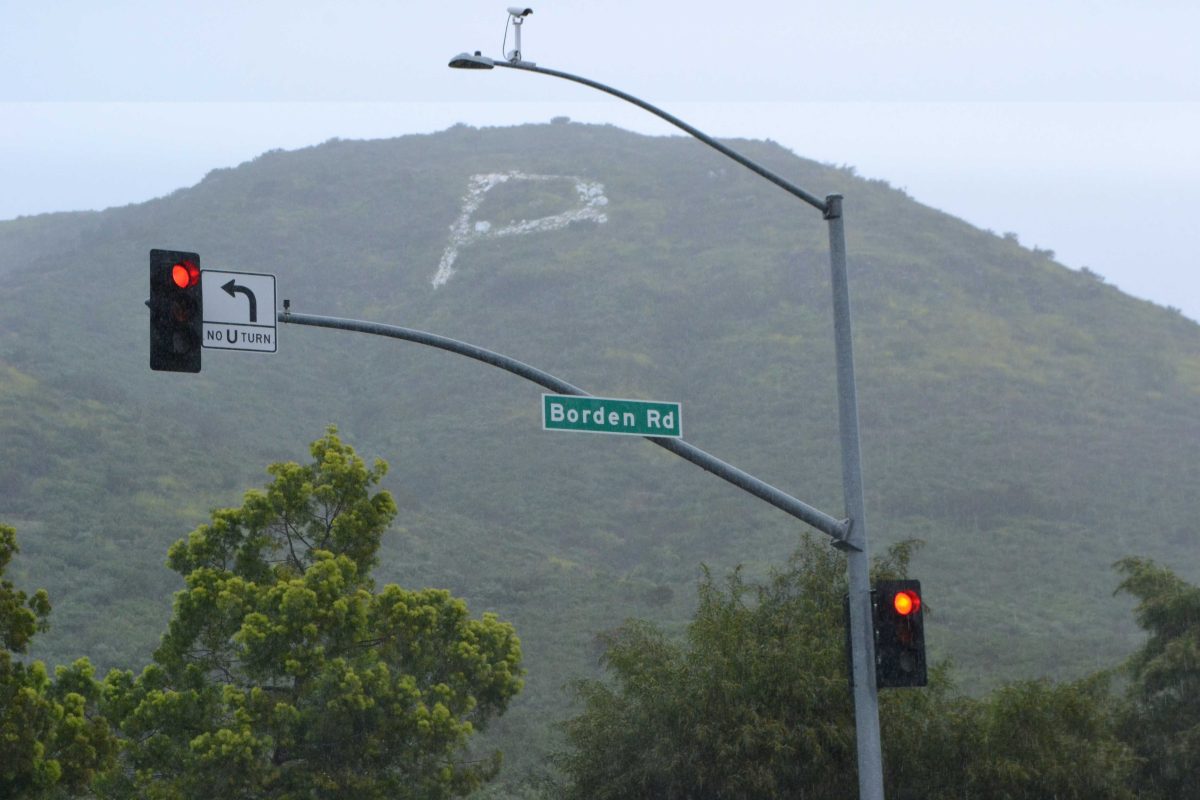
(906,603)
(185,274)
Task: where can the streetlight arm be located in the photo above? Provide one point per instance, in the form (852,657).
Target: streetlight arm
(753,166)
(838,530)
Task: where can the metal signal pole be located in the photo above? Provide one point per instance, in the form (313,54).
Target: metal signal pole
(862,644)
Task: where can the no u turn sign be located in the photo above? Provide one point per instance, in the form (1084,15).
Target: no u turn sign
(239,311)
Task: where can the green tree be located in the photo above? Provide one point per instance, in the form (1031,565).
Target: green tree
(283,674)
(754,703)
(1162,721)
(1025,741)
(51,740)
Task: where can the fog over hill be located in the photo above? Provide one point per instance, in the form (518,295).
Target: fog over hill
(1030,423)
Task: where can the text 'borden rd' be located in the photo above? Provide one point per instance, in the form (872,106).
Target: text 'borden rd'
(611,415)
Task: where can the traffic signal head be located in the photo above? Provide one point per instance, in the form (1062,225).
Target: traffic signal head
(176,311)
(899,634)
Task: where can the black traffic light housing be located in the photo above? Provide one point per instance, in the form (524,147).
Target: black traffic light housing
(176,311)
(899,616)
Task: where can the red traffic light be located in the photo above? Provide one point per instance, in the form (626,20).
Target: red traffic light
(906,602)
(185,274)
(176,311)
(898,616)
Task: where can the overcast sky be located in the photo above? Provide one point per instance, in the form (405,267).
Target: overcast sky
(1073,123)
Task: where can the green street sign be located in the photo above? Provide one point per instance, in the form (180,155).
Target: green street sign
(564,412)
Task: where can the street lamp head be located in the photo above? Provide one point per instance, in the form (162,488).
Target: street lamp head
(469,61)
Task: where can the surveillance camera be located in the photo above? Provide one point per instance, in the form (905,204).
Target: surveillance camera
(519,12)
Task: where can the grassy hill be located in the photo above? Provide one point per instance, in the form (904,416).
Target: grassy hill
(1029,422)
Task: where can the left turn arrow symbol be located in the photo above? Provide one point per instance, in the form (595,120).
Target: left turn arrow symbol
(232,288)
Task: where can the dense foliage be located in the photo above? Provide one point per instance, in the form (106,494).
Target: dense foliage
(754,703)
(52,742)
(1027,740)
(1162,719)
(283,674)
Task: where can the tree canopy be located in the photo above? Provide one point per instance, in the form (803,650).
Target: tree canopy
(755,703)
(51,739)
(1162,719)
(285,674)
